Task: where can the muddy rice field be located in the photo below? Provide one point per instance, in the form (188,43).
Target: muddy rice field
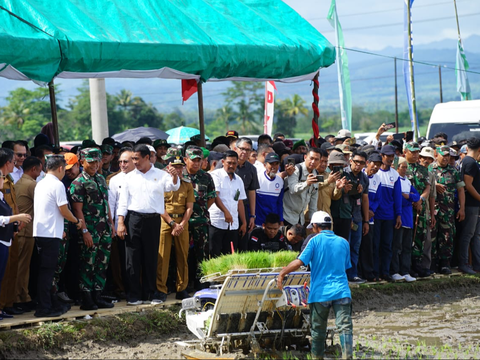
(438,319)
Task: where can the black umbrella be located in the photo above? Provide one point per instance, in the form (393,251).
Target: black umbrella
(137,133)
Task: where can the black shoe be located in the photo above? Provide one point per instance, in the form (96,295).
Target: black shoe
(48,313)
(387,277)
(101,303)
(356,280)
(4,315)
(13,311)
(182,295)
(159,298)
(87,301)
(22,307)
(57,305)
(445,270)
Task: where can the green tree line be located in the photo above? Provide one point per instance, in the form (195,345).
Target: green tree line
(27,111)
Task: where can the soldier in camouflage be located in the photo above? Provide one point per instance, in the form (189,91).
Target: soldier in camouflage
(448,181)
(205,194)
(418,176)
(89,193)
(107,157)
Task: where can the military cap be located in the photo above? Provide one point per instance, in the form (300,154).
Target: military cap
(232,133)
(412,146)
(89,144)
(443,150)
(194,152)
(91,154)
(299,143)
(161,142)
(206,152)
(107,149)
(172,152)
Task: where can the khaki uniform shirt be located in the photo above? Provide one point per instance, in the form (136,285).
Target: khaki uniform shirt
(9,194)
(24,189)
(176,201)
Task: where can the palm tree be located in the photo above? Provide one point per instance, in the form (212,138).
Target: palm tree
(295,106)
(15,112)
(124,99)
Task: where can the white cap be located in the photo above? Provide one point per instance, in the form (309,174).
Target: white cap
(320,217)
(427,152)
(151,148)
(343,133)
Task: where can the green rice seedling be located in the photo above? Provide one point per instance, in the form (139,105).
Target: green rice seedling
(283,258)
(247,260)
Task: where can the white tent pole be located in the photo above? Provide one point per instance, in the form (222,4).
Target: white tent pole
(98,106)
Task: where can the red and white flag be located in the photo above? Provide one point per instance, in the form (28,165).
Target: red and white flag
(269,101)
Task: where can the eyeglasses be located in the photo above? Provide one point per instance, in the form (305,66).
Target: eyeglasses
(20,155)
(3,177)
(244,149)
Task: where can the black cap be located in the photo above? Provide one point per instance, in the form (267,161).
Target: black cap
(272,157)
(387,150)
(215,155)
(375,156)
(327,146)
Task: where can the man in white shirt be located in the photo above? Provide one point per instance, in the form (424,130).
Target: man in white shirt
(117,256)
(50,208)
(139,209)
(228,208)
(20,154)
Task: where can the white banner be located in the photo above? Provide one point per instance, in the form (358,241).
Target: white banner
(269,101)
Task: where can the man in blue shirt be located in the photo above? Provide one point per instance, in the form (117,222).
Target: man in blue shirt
(329,257)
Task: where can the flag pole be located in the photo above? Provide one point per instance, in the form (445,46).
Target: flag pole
(412,79)
(201,114)
(456,17)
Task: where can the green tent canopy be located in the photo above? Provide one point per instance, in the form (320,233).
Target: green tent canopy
(188,39)
(25,51)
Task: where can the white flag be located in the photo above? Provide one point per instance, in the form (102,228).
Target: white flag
(269,102)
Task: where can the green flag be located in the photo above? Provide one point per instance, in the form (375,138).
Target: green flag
(342,69)
(463,86)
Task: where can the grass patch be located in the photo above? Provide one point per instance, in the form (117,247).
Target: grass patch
(119,328)
(247,260)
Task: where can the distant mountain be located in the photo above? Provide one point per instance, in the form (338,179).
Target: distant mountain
(372,81)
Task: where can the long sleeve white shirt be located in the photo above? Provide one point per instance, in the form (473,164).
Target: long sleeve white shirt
(144,193)
(114,188)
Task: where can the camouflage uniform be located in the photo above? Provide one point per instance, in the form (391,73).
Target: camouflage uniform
(92,192)
(418,176)
(62,258)
(444,231)
(105,148)
(204,190)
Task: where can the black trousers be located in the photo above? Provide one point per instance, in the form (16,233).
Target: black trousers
(342,227)
(220,241)
(365,260)
(141,255)
(48,249)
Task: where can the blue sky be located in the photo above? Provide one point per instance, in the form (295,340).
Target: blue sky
(377,24)
(372,25)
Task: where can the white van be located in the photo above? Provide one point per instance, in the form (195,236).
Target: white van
(458,119)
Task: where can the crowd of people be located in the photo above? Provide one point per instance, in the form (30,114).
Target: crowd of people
(134,220)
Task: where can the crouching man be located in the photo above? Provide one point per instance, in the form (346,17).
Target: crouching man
(329,257)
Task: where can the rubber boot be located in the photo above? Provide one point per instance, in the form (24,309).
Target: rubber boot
(87,301)
(346,341)
(101,303)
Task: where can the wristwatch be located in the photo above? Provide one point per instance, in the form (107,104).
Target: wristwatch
(253,216)
(84,231)
(171,223)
